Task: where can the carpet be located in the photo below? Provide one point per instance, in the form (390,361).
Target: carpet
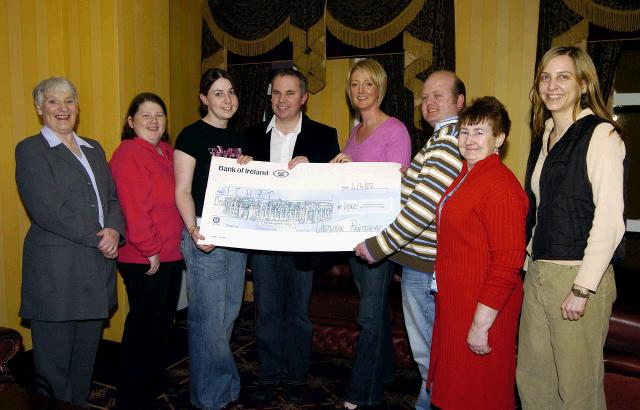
(326,382)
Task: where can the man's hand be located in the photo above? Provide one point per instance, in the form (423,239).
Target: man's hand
(363,253)
(298,160)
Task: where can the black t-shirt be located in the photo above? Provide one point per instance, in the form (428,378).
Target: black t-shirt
(203,141)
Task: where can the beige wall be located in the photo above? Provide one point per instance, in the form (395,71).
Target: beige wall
(113,49)
(330,105)
(495,55)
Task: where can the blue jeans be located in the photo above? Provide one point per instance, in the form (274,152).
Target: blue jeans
(418,306)
(215,284)
(373,359)
(283,327)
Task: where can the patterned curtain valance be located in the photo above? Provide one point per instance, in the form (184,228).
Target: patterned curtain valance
(370,23)
(613,15)
(254,27)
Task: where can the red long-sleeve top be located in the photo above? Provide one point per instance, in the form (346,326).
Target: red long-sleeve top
(481,244)
(146,190)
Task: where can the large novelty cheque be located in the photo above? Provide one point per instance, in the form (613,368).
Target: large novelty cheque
(312,207)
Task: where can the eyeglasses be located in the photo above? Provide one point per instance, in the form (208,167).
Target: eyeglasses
(146,117)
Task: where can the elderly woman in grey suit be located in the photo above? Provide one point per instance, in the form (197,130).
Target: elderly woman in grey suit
(68,266)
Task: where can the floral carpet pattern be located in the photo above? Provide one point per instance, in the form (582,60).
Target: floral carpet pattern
(326,382)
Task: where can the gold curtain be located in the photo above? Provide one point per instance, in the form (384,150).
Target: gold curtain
(592,12)
(309,47)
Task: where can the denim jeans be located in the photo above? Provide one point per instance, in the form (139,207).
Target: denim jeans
(418,306)
(373,359)
(283,327)
(215,284)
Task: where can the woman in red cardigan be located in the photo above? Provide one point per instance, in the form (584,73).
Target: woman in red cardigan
(481,221)
(150,262)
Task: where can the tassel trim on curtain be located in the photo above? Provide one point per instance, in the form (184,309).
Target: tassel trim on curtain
(248,48)
(378,36)
(612,19)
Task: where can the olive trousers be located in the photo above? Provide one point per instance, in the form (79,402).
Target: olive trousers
(560,363)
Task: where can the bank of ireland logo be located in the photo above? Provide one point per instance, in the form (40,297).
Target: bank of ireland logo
(280,173)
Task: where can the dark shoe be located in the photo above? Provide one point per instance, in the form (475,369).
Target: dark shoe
(265,392)
(294,393)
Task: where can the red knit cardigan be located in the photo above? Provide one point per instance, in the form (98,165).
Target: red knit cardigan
(481,245)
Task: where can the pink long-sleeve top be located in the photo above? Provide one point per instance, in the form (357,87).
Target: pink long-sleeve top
(390,142)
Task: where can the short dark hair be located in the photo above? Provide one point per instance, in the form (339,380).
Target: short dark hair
(283,72)
(206,81)
(487,109)
(458,87)
(127,131)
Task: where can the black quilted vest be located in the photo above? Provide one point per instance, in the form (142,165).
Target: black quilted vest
(566,210)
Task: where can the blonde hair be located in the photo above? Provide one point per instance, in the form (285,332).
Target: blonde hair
(377,73)
(587,77)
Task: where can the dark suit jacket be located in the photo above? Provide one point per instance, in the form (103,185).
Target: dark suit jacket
(317,142)
(64,275)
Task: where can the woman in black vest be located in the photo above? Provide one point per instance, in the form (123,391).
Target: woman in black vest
(575,185)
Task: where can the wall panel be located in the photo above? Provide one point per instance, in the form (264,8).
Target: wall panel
(114,49)
(110,50)
(495,55)
(330,105)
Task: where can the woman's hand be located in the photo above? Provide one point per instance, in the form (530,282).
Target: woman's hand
(244,159)
(154,261)
(478,337)
(478,340)
(341,158)
(194,234)
(108,245)
(363,253)
(573,306)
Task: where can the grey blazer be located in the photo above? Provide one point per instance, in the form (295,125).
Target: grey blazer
(64,275)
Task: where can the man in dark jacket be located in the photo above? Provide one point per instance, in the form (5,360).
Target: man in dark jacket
(283,281)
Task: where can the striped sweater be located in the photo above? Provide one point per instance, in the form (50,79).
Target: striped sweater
(411,238)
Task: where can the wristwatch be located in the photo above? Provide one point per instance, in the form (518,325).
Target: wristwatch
(578,293)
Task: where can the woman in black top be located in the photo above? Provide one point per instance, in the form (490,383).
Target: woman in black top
(215,276)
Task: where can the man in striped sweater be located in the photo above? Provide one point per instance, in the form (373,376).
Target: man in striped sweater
(411,239)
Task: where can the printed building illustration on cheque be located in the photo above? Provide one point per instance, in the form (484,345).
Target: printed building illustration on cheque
(259,205)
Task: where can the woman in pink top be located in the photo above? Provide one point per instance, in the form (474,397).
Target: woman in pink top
(150,262)
(378,138)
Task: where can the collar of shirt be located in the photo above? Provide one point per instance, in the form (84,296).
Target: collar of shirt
(296,130)
(548,127)
(446,121)
(54,140)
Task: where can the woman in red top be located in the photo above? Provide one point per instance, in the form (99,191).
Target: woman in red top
(481,219)
(150,262)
